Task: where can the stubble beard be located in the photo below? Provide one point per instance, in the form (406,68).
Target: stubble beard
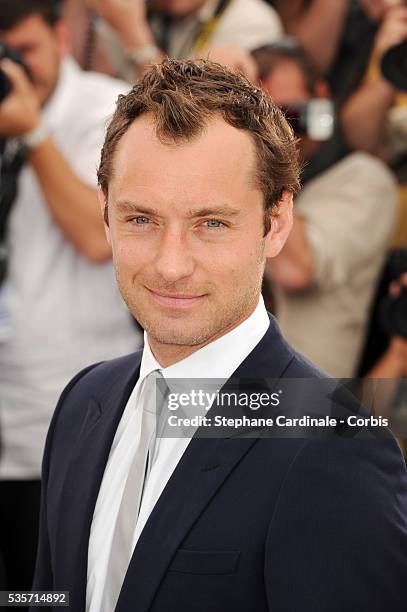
(219,319)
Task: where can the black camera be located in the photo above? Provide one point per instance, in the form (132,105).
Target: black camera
(315,118)
(394,309)
(15,56)
(394,65)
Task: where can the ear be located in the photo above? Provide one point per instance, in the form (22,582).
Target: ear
(281,223)
(102,197)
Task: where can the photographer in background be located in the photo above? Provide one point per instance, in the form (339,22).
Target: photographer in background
(391,313)
(325,276)
(386,344)
(59,308)
(365,110)
(346,40)
(135,33)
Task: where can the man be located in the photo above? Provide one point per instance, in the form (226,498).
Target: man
(59,305)
(360,34)
(325,277)
(366,94)
(137,34)
(196,180)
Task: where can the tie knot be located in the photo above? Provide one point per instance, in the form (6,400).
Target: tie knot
(155,392)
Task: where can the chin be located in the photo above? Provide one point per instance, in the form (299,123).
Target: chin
(175,337)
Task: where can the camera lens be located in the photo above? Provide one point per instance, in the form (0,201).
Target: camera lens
(394,65)
(15,56)
(295,116)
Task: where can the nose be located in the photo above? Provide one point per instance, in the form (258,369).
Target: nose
(174,261)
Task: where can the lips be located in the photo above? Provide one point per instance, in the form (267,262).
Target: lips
(175,300)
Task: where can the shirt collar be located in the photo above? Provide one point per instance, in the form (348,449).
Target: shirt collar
(220,358)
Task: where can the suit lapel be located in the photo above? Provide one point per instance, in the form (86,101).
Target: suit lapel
(82,483)
(204,467)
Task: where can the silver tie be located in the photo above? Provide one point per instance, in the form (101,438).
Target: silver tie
(121,550)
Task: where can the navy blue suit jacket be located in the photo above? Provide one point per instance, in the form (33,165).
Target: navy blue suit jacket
(244,524)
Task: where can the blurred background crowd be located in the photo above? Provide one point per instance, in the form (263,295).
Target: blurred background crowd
(338,69)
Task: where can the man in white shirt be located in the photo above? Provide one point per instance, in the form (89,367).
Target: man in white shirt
(196,179)
(59,305)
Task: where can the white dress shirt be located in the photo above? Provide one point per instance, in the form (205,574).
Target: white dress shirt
(217,360)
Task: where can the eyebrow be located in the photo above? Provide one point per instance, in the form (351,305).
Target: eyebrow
(222,211)
(132,207)
(216,211)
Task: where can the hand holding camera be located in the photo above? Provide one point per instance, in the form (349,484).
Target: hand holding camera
(393,30)
(20,109)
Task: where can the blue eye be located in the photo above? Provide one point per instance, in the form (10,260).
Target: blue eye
(213,223)
(141,220)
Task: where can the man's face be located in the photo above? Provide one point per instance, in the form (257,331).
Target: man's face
(41,47)
(186,226)
(287,86)
(179,8)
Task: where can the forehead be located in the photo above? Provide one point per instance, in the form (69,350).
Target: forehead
(218,164)
(286,83)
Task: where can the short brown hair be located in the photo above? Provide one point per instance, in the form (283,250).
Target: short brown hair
(183,95)
(12,12)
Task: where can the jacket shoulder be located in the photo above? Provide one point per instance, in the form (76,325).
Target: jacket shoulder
(343,502)
(301,367)
(97,378)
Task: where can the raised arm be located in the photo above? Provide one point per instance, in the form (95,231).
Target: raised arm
(363,115)
(318,27)
(71,202)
